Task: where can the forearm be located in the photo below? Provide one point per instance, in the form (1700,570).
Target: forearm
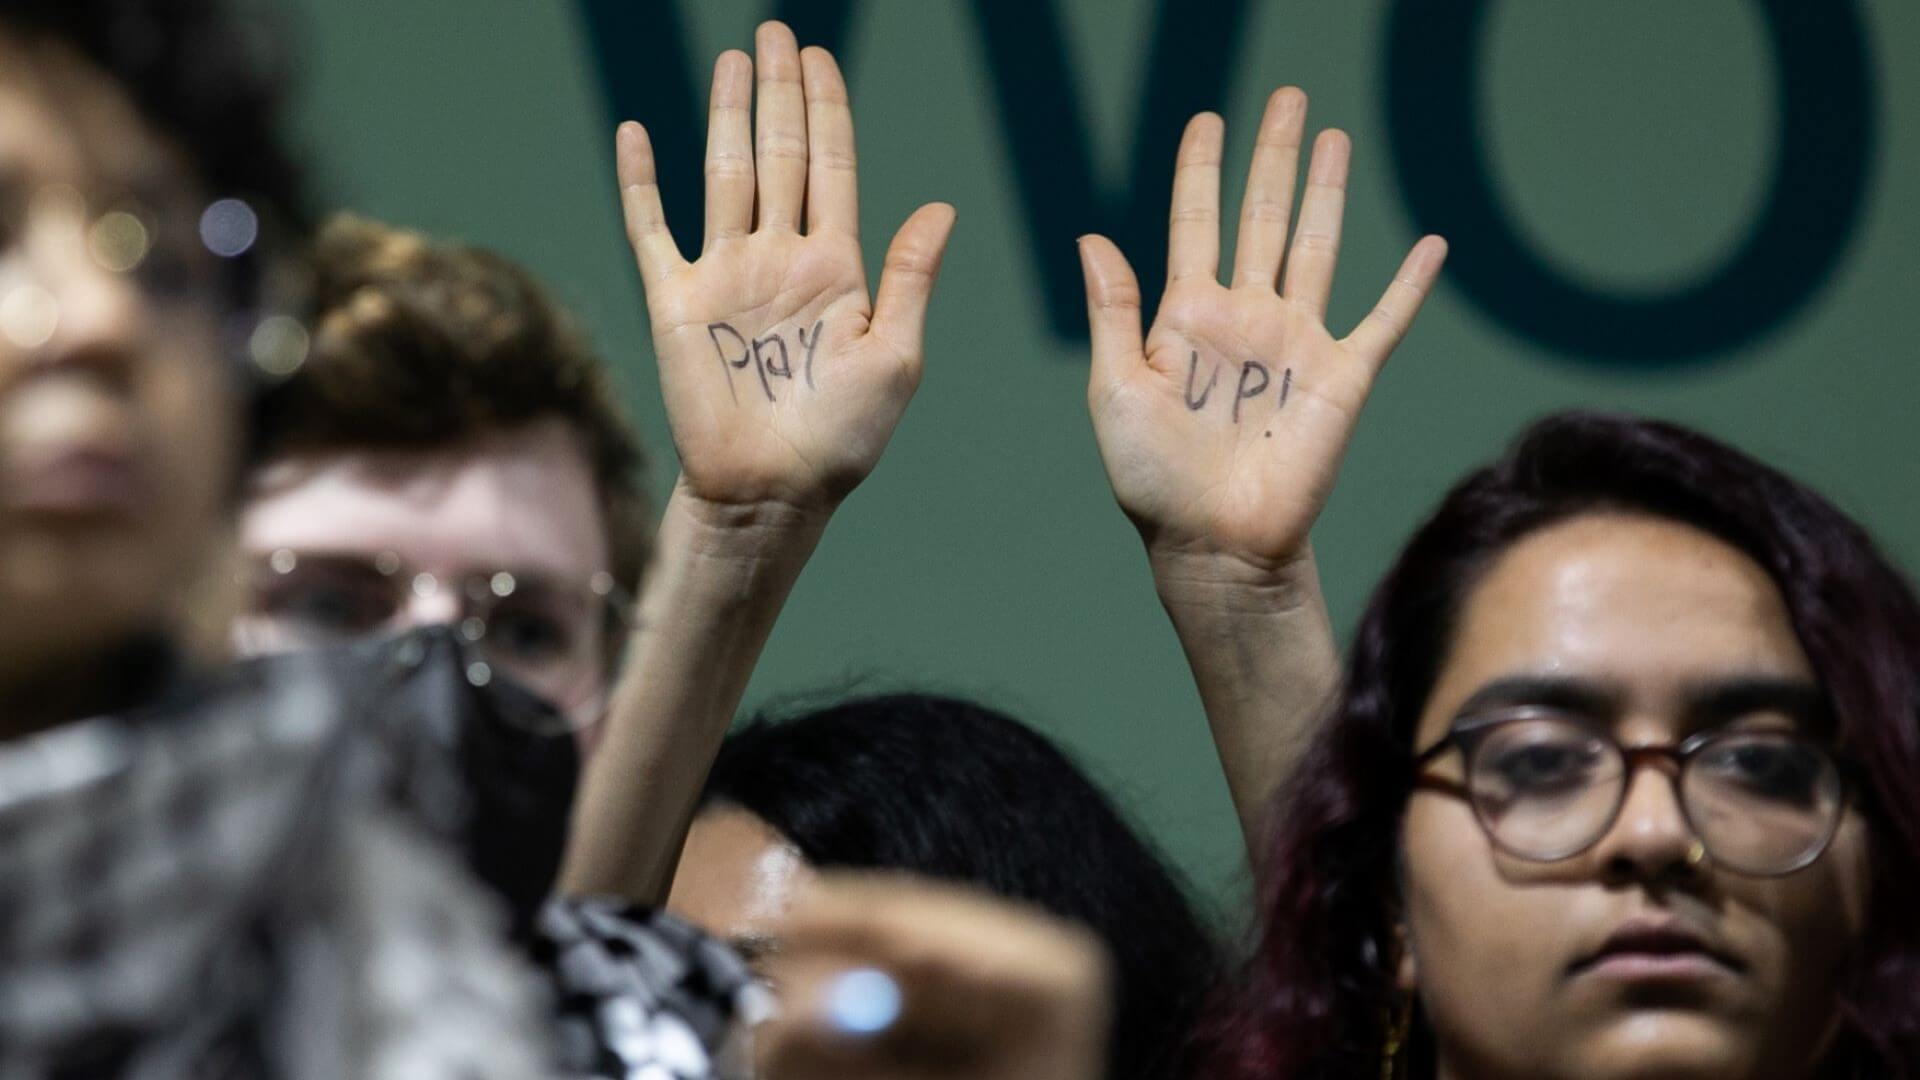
(1261,649)
(720,577)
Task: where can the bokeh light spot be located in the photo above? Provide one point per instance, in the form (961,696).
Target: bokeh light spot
(279,345)
(119,241)
(229,227)
(864,1001)
(29,315)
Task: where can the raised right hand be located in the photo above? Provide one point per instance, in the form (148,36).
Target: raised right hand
(1222,430)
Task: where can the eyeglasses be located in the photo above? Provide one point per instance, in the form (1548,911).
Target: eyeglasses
(185,258)
(1545,787)
(557,639)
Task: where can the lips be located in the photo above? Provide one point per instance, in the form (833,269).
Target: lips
(65,450)
(73,480)
(1657,950)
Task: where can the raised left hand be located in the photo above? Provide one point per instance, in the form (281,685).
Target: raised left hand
(782,381)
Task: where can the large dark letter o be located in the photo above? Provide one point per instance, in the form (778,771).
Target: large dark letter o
(1810,211)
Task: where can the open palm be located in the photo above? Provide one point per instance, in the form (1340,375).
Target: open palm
(782,381)
(1222,429)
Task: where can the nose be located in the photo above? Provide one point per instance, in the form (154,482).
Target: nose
(1650,840)
(430,602)
(60,306)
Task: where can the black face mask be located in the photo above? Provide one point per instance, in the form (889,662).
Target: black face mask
(503,788)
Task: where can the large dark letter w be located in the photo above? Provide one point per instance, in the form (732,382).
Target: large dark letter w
(642,54)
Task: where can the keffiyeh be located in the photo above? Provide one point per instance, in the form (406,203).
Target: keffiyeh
(327,866)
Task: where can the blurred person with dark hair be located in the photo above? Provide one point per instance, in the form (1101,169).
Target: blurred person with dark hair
(300,867)
(949,790)
(136,134)
(144,803)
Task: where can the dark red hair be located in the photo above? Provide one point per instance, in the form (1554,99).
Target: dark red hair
(1320,987)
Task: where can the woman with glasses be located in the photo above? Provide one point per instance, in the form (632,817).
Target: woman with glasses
(1623,782)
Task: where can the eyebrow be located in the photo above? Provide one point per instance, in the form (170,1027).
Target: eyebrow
(1587,697)
(1706,703)
(1721,700)
(754,947)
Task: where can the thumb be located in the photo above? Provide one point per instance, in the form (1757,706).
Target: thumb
(1113,309)
(907,277)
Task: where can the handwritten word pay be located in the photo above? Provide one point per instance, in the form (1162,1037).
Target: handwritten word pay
(770,356)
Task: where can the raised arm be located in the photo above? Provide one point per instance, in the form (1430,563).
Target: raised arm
(1223,427)
(783,383)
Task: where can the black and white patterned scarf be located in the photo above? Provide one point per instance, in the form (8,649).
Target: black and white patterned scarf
(296,870)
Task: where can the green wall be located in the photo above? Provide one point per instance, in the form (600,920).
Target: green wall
(1631,139)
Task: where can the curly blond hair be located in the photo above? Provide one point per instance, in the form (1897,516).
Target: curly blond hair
(420,343)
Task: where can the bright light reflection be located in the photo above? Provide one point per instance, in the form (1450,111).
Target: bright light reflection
(119,241)
(29,315)
(229,227)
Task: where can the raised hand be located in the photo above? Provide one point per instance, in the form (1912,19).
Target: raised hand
(783,383)
(782,380)
(1223,429)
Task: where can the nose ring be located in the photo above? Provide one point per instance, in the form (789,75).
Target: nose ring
(1696,855)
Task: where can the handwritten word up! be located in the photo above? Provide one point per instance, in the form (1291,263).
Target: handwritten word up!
(770,357)
(1254,379)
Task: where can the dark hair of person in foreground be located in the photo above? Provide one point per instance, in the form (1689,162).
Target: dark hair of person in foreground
(952,790)
(208,75)
(1321,988)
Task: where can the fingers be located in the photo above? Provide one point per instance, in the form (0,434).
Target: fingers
(833,200)
(1193,231)
(729,150)
(1269,198)
(1316,242)
(907,276)
(1374,339)
(943,974)
(653,246)
(1113,309)
(919,929)
(780,142)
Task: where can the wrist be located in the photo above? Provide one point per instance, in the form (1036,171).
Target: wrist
(723,562)
(1217,583)
(758,530)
